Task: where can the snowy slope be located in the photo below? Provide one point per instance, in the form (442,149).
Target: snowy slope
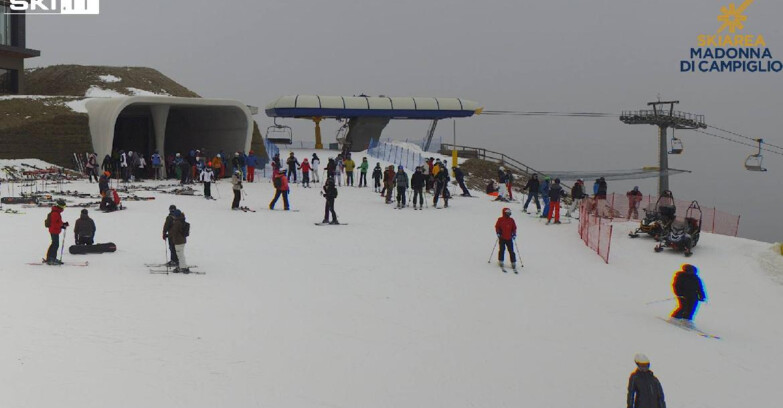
(399,308)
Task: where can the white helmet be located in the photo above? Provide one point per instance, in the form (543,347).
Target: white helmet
(502,168)
(640,358)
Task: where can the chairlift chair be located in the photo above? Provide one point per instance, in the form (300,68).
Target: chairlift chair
(676,146)
(342,133)
(279,134)
(754,161)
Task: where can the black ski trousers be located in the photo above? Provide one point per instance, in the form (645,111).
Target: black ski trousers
(401,196)
(207,189)
(349,178)
(329,209)
(506,244)
(51,254)
(377,183)
(418,193)
(464,189)
(237,197)
(440,188)
(173,252)
(686,309)
(363,179)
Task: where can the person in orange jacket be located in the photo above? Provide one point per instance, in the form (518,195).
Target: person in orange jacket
(506,230)
(305,167)
(280,181)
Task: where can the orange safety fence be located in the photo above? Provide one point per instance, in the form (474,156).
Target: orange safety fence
(595,231)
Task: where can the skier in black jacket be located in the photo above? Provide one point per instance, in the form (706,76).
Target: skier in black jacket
(329,193)
(644,390)
(688,288)
(418,180)
(460,176)
(377,174)
(84,230)
(532,188)
(442,188)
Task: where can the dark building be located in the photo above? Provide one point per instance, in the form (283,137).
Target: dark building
(13,50)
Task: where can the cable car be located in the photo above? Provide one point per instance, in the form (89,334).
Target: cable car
(754,161)
(280,134)
(676,145)
(342,133)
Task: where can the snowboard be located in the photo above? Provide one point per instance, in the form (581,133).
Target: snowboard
(92,249)
(321,223)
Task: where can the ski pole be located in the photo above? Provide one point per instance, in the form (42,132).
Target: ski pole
(62,247)
(661,301)
(519,254)
(493,250)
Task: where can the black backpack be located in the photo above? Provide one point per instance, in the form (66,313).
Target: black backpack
(48,220)
(277,182)
(186,229)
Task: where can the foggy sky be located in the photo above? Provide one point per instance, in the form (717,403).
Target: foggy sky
(554,55)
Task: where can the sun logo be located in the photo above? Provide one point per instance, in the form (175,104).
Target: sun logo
(732,17)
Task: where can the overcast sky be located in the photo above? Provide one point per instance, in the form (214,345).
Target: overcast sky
(554,55)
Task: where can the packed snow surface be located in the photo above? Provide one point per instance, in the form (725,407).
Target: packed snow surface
(398,309)
(109,78)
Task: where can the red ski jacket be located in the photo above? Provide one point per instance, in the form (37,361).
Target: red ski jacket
(56,220)
(506,227)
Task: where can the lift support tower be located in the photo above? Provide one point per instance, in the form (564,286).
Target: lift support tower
(664,118)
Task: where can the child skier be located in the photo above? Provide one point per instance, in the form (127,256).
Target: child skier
(206,177)
(377,173)
(54,223)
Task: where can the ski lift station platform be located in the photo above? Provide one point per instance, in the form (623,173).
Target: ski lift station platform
(367,116)
(168,124)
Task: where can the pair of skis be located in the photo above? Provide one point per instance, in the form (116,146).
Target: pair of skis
(691,329)
(158,269)
(43,262)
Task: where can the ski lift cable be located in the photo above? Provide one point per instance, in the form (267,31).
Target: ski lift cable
(545,113)
(743,136)
(738,142)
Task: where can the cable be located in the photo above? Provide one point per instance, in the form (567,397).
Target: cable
(554,114)
(744,137)
(737,141)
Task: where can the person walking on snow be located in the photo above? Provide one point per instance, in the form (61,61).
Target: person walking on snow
(280,181)
(330,194)
(644,389)
(555,192)
(156,163)
(418,181)
(377,174)
(167,236)
(506,230)
(84,229)
(634,198)
(315,163)
(688,288)
(460,176)
(55,224)
(532,188)
(401,181)
(363,172)
(236,186)
(206,177)
(305,167)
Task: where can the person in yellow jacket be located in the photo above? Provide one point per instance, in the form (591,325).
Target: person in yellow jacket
(350,165)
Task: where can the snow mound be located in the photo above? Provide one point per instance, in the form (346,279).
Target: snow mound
(98,92)
(109,78)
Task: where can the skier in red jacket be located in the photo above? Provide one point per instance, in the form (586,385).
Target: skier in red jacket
(55,226)
(506,229)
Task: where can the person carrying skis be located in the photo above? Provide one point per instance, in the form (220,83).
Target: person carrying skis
(544,190)
(292,163)
(305,167)
(634,198)
(206,177)
(54,223)
(377,173)
(506,230)
(388,183)
(532,188)
(179,232)
(363,172)
(460,176)
(84,229)
(350,165)
(577,194)
(166,236)
(315,162)
(688,288)
(280,181)
(644,389)
(330,194)
(401,181)
(418,182)
(442,188)
(555,192)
